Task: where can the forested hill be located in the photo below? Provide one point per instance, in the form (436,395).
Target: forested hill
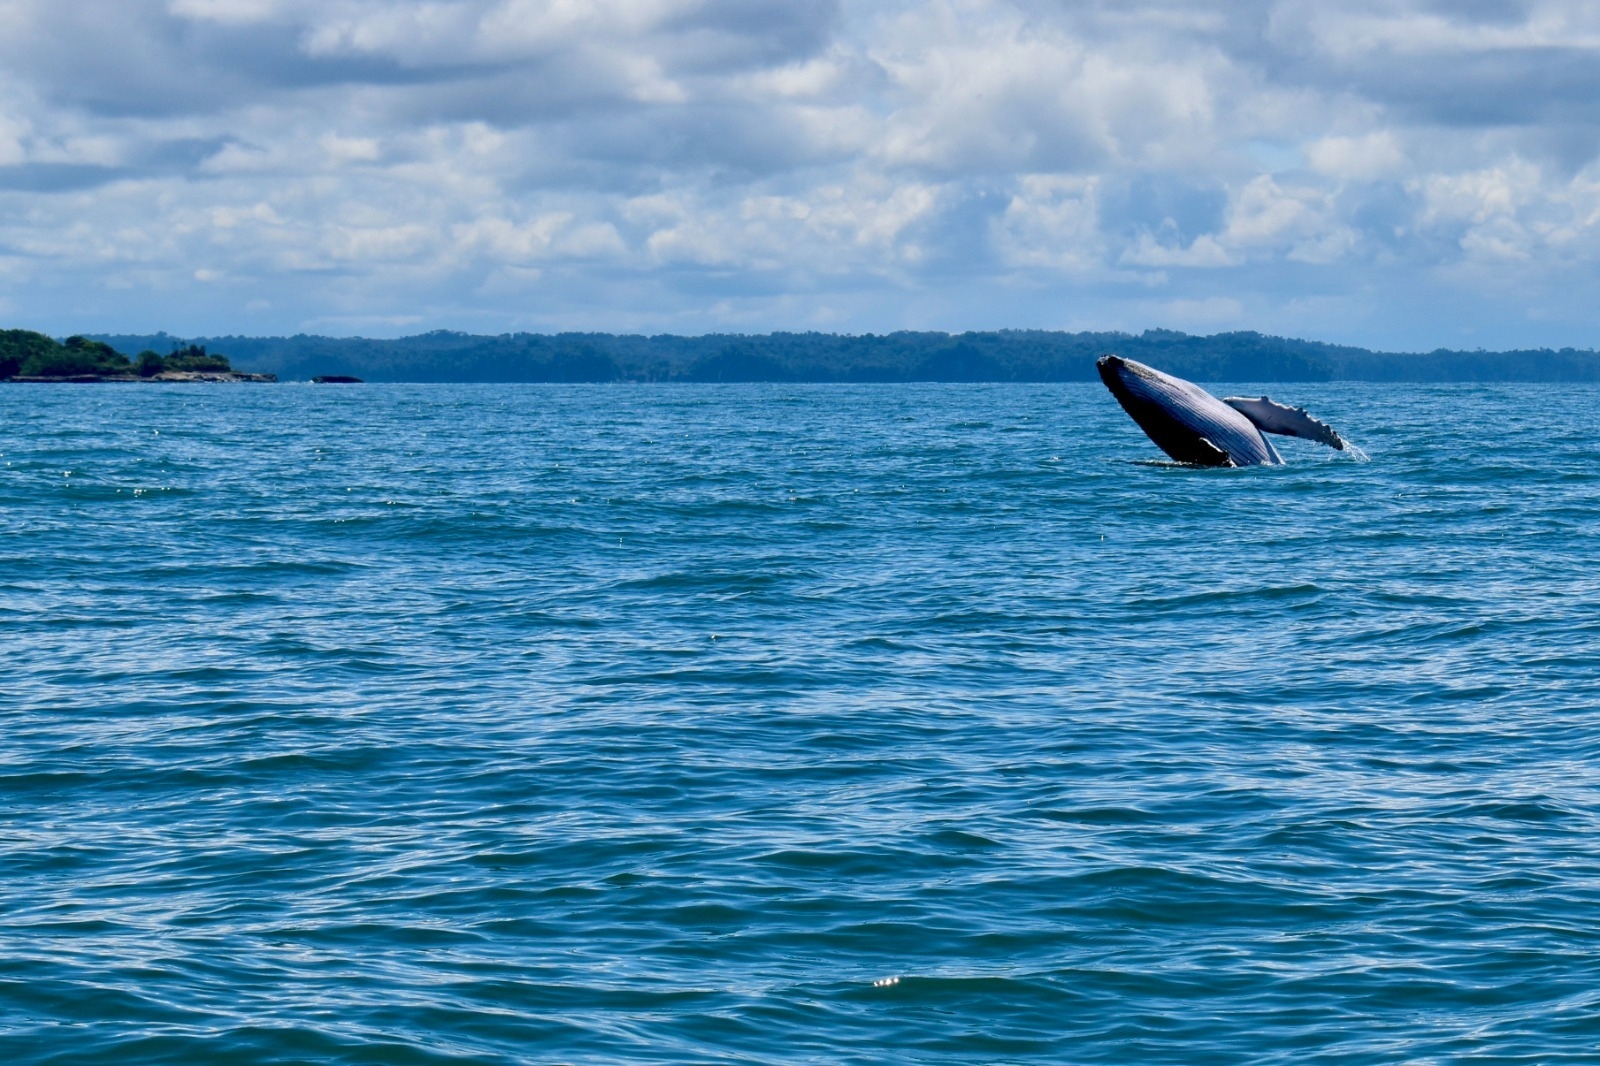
(1005,355)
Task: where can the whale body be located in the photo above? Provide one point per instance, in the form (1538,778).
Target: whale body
(1193,426)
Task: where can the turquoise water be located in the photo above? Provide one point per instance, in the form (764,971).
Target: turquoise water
(777,724)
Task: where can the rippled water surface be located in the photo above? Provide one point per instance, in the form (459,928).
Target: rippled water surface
(776,724)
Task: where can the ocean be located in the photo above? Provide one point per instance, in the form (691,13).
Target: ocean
(794,724)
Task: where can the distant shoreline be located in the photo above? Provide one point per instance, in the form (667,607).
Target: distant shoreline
(1021,356)
(167,377)
(995,356)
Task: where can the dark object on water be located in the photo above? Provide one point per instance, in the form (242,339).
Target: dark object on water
(336,379)
(1193,426)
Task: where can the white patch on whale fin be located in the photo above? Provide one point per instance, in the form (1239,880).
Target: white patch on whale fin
(1226,459)
(1272,417)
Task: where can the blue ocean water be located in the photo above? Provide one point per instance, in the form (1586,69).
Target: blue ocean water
(794,724)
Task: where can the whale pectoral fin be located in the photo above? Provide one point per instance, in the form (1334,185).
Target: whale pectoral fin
(1272,417)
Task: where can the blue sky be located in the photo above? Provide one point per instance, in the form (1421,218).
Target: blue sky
(1407,174)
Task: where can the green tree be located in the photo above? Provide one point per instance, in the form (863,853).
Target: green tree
(75,357)
(195,357)
(17,346)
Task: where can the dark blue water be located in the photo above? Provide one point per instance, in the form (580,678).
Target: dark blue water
(771,724)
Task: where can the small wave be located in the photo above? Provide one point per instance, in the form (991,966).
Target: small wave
(1103,767)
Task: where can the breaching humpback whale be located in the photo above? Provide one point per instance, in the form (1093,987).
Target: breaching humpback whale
(1193,426)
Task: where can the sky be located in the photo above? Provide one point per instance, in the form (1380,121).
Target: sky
(1403,175)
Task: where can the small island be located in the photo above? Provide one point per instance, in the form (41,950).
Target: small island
(26,356)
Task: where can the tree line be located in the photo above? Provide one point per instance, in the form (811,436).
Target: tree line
(26,354)
(1001,355)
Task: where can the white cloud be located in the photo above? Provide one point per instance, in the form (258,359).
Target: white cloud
(868,163)
(1359,29)
(1368,157)
(1205,251)
(1515,213)
(1052,222)
(1480,196)
(1299,223)
(350,149)
(545,237)
(236,12)
(857,226)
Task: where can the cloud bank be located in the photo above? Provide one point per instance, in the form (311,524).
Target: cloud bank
(1410,173)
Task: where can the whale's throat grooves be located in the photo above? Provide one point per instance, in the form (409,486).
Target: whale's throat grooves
(1184,420)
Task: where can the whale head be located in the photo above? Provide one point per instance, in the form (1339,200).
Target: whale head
(1184,420)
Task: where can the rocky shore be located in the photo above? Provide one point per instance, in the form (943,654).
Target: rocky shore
(38,359)
(225,376)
